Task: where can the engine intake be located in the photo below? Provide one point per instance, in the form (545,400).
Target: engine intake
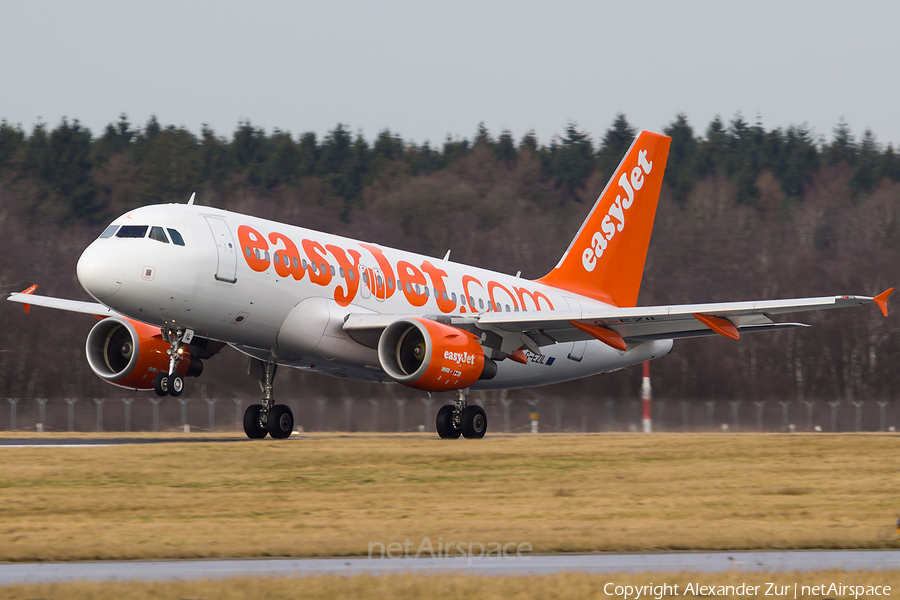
(431,356)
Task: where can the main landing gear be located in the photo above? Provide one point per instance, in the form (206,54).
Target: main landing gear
(267,418)
(171,383)
(458,418)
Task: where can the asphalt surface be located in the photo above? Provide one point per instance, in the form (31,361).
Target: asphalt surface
(539,564)
(91,442)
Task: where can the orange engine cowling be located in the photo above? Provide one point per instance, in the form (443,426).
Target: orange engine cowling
(431,356)
(129,354)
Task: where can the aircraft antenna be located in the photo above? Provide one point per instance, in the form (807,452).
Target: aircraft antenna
(191,201)
(447,256)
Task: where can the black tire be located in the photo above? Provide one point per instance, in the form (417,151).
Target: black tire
(473,423)
(444,423)
(176,385)
(281,422)
(252,428)
(161,385)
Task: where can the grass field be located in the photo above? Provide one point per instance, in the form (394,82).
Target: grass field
(336,495)
(438,587)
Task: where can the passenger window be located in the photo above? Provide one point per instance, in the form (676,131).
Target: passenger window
(157,233)
(378,279)
(472,301)
(365,278)
(351,274)
(108,232)
(304,264)
(277,261)
(247,250)
(132,231)
(507,308)
(454,297)
(341,271)
(427,293)
(445,296)
(295,262)
(480,304)
(176,237)
(332,270)
(390,283)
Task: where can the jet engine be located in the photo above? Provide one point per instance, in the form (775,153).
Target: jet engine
(129,354)
(432,356)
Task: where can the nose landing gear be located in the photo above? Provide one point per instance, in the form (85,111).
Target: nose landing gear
(171,383)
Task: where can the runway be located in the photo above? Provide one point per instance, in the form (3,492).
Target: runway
(54,442)
(539,564)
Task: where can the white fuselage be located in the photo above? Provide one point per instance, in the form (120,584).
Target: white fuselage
(224,283)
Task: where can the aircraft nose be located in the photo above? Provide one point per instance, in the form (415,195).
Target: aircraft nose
(101,270)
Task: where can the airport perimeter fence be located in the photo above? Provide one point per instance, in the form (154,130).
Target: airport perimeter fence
(513,415)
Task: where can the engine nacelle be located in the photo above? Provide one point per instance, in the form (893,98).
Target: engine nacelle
(129,354)
(431,356)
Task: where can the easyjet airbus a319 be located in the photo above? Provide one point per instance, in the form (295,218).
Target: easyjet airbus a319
(178,282)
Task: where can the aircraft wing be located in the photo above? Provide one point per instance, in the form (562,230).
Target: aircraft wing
(619,326)
(88,308)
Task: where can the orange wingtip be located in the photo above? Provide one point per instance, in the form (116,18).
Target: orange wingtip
(519,357)
(721,326)
(607,336)
(881,300)
(30,290)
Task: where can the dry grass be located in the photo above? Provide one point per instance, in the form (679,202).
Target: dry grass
(334,495)
(438,587)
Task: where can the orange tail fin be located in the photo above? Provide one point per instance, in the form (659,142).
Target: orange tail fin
(605,261)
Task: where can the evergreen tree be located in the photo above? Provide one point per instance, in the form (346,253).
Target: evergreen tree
(11,139)
(571,160)
(615,143)
(866,172)
(682,164)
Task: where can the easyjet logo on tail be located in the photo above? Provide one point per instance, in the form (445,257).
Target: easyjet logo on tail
(614,221)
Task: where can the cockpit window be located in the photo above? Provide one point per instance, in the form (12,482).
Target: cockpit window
(132,231)
(176,237)
(157,233)
(108,232)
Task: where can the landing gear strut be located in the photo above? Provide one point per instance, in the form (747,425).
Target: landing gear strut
(459,418)
(269,418)
(171,382)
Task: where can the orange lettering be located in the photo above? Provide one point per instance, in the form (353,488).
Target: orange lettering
(535,298)
(494,284)
(411,276)
(437,282)
(384,265)
(251,240)
(466,280)
(287,261)
(351,274)
(316,254)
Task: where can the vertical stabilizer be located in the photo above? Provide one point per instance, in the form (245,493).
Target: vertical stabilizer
(605,261)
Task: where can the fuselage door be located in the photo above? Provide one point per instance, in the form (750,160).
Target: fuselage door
(226,270)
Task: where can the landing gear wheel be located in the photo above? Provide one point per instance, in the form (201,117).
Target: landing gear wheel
(444,423)
(176,384)
(252,428)
(161,385)
(281,422)
(473,422)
